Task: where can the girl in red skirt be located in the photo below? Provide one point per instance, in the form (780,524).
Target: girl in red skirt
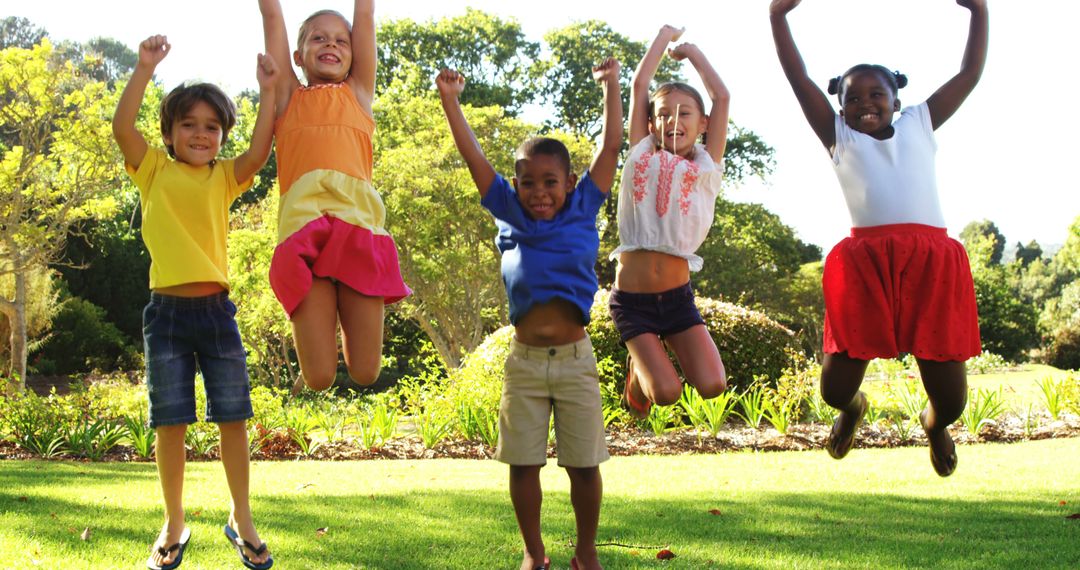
(899,283)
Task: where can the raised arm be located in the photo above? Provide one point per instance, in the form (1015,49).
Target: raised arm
(451,84)
(262,137)
(643,76)
(815,104)
(718,94)
(947,99)
(131,142)
(277,46)
(606,160)
(362,76)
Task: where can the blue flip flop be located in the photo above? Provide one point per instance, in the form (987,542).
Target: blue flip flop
(178,547)
(240,544)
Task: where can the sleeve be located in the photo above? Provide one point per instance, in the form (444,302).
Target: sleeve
(921,114)
(842,134)
(589,194)
(151,164)
(235,187)
(500,199)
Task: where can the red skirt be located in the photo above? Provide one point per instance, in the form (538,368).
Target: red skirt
(330,248)
(900,288)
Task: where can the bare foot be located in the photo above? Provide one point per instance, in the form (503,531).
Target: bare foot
(530,563)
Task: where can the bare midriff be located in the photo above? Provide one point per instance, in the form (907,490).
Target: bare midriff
(645,271)
(554,323)
(198,289)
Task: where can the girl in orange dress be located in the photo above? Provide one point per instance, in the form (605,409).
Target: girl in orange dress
(334,261)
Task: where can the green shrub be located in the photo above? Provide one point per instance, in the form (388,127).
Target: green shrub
(84,340)
(750,343)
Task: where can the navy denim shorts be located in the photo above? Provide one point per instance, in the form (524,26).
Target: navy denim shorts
(664,314)
(180,333)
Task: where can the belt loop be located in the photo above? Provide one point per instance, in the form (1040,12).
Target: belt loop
(575,351)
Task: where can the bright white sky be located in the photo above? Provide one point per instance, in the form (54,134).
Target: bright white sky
(1006,166)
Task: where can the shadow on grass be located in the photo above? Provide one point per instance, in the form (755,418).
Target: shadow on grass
(421,529)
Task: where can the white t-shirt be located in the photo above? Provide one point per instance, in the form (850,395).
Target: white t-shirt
(666,202)
(891,181)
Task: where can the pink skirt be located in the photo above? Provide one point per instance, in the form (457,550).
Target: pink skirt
(900,288)
(330,248)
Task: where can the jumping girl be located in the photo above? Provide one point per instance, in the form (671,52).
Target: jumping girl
(334,260)
(669,189)
(899,283)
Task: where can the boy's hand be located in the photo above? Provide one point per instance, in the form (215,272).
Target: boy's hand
(450,83)
(153,49)
(782,7)
(672,32)
(608,70)
(972,4)
(266,72)
(682,51)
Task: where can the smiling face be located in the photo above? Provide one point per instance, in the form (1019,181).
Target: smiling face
(325,51)
(869,103)
(677,121)
(543,181)
(196,136)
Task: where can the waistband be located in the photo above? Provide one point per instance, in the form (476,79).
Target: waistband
(214,300)
(892,229)
(579,349)
(678,293)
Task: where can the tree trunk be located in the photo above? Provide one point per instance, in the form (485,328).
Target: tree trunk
(15,311)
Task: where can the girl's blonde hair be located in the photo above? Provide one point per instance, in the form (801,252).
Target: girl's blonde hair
(670,86)
(307,24)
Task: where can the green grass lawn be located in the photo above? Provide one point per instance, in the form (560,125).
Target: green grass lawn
(1020,386)
(1005,507)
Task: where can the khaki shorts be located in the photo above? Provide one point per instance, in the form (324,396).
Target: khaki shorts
(538,380)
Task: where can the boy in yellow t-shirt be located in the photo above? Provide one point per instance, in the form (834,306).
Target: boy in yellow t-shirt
(185,197)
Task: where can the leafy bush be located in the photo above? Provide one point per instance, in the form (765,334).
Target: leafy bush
(84,340)
(750,343)
(987,362)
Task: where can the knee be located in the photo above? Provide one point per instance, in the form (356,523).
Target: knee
(365,375)
(836,397)
(320,380)
(583,474)
(667,394)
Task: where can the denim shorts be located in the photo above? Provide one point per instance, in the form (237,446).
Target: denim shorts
(664,314)
(182,333)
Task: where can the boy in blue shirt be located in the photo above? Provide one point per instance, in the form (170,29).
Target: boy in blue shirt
(549,242)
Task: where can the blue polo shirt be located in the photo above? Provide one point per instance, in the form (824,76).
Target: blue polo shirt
(547,259)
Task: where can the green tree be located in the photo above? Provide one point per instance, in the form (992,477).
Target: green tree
(20,32)
(491,52)
(1025,254)
(567,72)
(748,252)
(984,241)
(55,175)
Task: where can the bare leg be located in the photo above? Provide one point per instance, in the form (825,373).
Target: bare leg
(699,360)
(586,491)
(314,324)
(170,455)
(658,382)
(841,377)
(234,457)
(946,388)
(526,495)
(361,333)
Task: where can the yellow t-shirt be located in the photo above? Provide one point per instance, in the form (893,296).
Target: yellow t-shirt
(185,217)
